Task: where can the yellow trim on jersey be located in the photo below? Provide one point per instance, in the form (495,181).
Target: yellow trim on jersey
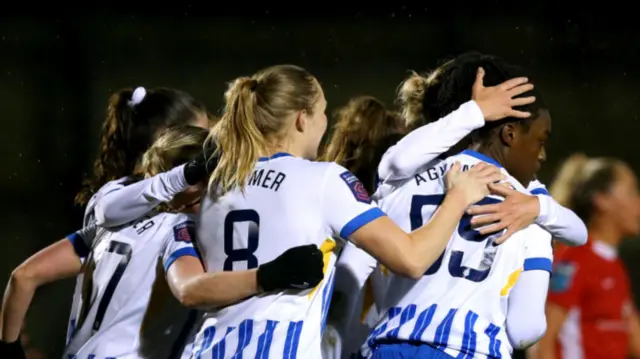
(367,300)
(511,281)
(327,250)
(384,270)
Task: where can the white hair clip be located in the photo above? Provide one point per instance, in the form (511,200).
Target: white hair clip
(138,95)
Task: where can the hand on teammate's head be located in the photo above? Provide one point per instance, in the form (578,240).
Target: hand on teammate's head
(498,102)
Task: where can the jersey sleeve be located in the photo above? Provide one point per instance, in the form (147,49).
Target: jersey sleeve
(127,203)
(179,242)
(82,240)
(538,249)
(526,322)
(346,205)
(563,224)
(567,283)
(426,143)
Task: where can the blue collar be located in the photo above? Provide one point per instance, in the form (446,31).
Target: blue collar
(275,155)
(481,157)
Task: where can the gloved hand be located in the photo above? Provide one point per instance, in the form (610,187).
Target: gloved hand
(12,350)
(201,167)
(297,268)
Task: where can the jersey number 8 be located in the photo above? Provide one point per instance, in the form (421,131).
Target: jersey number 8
(241,254)
(456,269)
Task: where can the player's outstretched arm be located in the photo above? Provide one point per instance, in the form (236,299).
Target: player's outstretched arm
(412,254)
(298,268)
(57,261)
(424,144)
(125,204)
(518,210)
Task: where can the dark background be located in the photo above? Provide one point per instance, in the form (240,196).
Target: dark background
(59,65)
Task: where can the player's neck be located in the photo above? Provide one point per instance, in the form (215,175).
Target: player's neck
(489,150)
(601,229)
(291,149)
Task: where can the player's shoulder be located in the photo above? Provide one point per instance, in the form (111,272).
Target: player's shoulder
(321,171)
(89,217)
(106,188)
(182,226)
(174,218)
(469,158)
(303,168)
(537,187)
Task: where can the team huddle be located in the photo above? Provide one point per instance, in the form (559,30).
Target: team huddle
(239,237)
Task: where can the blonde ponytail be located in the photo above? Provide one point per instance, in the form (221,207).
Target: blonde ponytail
(567,178)
(256,111)
(411,93)
(240,142)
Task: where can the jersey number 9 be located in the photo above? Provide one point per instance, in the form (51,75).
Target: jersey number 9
(241,254)
(456,269)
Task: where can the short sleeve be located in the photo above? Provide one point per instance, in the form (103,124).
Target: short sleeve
(566,284)
(179,243)
(538,249)
(346,205)
(82,240)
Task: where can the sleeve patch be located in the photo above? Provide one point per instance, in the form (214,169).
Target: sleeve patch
(356,187)
(562,277)
(184,232)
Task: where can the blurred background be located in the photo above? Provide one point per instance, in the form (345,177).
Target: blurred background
(57,71)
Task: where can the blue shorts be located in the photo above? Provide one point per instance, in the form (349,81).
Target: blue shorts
(408,351)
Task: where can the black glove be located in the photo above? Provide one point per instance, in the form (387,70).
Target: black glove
(12,350)
(297,268)
(201,167)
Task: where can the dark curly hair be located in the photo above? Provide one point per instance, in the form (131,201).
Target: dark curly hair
(427,98)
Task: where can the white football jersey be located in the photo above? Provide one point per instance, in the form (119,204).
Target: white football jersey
(288,202)
(461,303)
(128,309)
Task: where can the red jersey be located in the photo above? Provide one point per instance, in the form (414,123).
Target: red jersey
(592,284)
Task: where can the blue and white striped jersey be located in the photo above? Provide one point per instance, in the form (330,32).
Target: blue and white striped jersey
(288,202)
(127,309)
(461,303)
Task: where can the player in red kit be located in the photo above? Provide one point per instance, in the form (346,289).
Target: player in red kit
(590,314)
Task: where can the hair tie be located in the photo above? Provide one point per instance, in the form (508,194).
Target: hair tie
(138,95)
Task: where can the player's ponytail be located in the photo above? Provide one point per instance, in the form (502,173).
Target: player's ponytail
(257,110)
(133,120)
(240,142)
(411,93)
(112,162)
(580,179)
